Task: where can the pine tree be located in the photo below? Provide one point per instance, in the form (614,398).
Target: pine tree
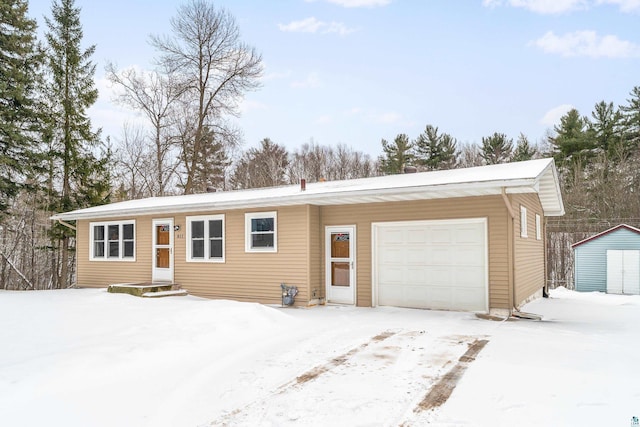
(212,162)
(19,68)
(435,151)
(396,155)
(78,160)
(496,148)
(524,150)
(605,129)
(571,143)
(631,120)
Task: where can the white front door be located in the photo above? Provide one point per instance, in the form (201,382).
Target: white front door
(162,250)
(340,264)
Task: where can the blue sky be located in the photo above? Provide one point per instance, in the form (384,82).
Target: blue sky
(357,71)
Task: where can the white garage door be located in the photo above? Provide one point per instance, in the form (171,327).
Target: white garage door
(431,264)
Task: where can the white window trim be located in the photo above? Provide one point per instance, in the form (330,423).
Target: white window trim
(247,231)
(206,219)
(121,257)
(523,221)
(538,227)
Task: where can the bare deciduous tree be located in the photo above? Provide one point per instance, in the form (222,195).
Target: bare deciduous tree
(215,66)
(155,95)
(265,166)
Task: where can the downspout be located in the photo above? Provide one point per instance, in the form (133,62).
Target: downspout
(511,235)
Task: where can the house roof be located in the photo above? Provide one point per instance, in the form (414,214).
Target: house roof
(532,176)
(611,230)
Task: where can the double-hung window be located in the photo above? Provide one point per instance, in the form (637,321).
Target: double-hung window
(205,242)
(112,241)
(261,232)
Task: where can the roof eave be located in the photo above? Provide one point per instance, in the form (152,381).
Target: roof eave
(338,197)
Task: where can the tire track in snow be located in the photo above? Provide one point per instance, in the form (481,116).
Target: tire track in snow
(333,363)
(309,375)
(380,382)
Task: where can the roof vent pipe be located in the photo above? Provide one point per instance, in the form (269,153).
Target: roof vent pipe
(303,184)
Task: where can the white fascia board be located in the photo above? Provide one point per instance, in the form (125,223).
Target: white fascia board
(333,197)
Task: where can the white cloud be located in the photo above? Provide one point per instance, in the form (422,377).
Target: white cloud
(624,5)
(553,7)
(587,43)
(552,117)
(540,6)
(311,81)
(312,25)
(323,120)
(357,3)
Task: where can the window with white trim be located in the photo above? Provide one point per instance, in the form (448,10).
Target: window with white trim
(112,241)
(523,221)
(205,238)
(538,227)
(261,232)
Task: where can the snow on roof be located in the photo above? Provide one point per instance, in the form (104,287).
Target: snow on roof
(532,176)
(610,230)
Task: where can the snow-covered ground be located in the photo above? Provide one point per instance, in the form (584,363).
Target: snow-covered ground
(89,358)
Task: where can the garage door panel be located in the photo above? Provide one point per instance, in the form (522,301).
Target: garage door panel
(439,255)
(470,277)
(415,276)
(439,297)
(391,275)
(467,299)
(472,235)
(432,264)
(417,255)
(439,276)
(391,255)
(468,255)
(393,236)
(417,236)
(441,235)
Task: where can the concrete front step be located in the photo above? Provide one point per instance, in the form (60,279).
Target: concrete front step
(147,289)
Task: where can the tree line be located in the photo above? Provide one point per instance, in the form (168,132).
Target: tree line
(53,160)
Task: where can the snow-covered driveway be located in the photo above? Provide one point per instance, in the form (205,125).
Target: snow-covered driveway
(89,358)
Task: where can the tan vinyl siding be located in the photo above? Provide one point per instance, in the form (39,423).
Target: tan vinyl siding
(529,252)
(243,276)
(362,215)
(316,283)
(249,276)
(98,274)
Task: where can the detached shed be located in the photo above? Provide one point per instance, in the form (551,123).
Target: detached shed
(609,261)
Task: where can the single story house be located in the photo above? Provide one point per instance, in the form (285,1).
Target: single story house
(609,261)
(463,239)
